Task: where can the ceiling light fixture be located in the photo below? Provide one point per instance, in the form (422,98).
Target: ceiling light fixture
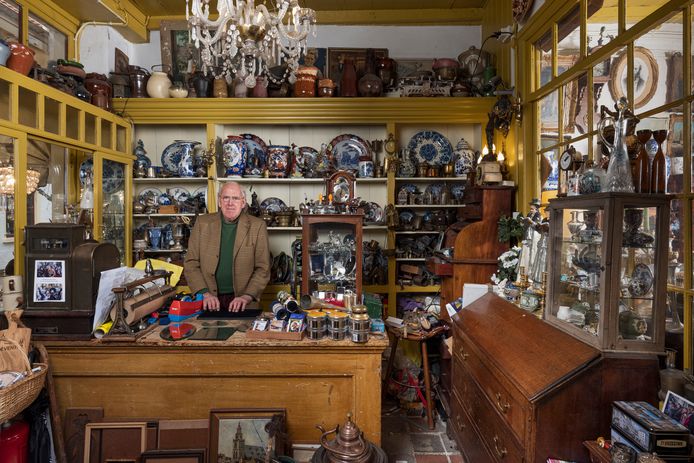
(246,40)
(7,179)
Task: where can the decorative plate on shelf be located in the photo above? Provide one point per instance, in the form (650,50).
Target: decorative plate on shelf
(256,158)
(113,174)
(199,191)
(272,205)
(149,196)
(346,150)
(641,280)
(179,194)
(458,191)
(172,155)
(432,147)
(310,158)
(434,190)
(406,217)
(409,187)
(373,214)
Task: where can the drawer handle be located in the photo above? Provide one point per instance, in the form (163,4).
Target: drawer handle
(463,354)
(500,452)
(459,422)
(503,407)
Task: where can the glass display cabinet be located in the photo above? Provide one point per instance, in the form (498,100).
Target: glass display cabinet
(113,204)
(608,269)
(331,253)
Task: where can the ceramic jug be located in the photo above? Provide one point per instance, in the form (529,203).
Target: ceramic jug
(260,89)
(4,52)
(21,58)
(305,85)
(370,84)
(219,88)
(464,159)
(348,82)
(159,83)
(138,81)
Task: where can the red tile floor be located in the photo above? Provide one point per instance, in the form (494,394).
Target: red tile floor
(408,438)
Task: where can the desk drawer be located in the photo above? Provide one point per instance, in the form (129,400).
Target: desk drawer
(469,441)
(510,404)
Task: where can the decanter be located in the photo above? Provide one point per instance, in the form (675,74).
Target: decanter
(619,168)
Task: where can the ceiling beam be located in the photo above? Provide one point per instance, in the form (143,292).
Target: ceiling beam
(410,17)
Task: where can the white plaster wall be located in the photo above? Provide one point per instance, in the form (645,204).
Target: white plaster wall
(97,43)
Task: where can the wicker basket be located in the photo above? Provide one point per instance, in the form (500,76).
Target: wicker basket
(18,396)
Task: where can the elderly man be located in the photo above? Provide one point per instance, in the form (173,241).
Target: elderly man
(228,257)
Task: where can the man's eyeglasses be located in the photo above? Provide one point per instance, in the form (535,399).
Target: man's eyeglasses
(229,199)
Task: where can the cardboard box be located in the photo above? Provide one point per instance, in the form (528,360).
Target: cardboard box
(650,429)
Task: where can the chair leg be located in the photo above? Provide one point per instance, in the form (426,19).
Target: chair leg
(389,368)
(427,385)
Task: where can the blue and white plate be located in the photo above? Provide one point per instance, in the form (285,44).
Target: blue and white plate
(406,217)
(458,191)
(113,174)
(409,187)
(346,150)
(179,194)
(149,193)
(435,190)
(272,205)
(432,147)
(172,154)
(309,156)
(256,159)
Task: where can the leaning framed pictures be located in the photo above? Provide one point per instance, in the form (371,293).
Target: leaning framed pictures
(247,434)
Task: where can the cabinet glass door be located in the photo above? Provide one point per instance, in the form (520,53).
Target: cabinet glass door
(332,257)
(637,274)
(578,281)
(113,205)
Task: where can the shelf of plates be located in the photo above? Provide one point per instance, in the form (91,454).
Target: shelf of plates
(306,122)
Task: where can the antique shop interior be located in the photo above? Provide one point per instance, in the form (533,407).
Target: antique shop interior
(346,231)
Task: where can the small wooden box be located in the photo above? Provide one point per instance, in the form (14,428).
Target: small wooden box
(168,209)
(283,335)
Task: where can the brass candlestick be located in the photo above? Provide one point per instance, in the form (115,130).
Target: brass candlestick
(542,292)
(522,283)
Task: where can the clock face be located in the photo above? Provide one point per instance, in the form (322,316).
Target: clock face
(565,161)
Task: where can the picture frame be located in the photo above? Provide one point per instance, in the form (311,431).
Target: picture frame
(645,76)
(337,55)
(679,409)
(317,57)
(258,431)
(174,456)
(412,67)
(177,51)
(95,445)
(674,144)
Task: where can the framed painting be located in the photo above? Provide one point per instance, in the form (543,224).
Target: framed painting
(177,50)
(249,435)
(114,441)
(645,76)
(336,57)
(317,57)
(674,145)
(413,67)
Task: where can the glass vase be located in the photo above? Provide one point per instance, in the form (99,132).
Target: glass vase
(618,177)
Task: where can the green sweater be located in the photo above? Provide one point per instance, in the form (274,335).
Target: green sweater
(225,267)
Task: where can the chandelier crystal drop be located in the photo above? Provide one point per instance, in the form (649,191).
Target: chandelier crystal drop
(7,180)
(246,39)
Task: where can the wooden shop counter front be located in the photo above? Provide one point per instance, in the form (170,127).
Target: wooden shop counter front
(317,382)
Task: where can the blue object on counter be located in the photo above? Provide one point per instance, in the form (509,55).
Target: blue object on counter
(164,321)
(377,325)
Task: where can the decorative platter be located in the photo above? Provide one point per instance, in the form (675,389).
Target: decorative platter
(346,150)
(149,194)
(257,155)
(112,175)
(272,205)
(406,217)
(641,280)
(309,156)
(179,194)
(431,147)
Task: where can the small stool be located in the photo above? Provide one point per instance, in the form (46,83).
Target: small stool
(422,337)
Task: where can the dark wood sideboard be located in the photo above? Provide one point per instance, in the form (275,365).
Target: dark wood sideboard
(524,391)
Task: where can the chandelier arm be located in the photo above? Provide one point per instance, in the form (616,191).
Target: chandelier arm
(199,18)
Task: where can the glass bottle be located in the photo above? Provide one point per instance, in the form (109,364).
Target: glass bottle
(643,163)
(671,378)
(619,168)
(370,84)
(658,166)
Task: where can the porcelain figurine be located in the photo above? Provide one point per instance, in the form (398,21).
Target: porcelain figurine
(464,159)
(297,170)
(235,154)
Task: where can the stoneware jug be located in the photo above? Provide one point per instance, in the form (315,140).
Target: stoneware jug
(21,58)
(159,83)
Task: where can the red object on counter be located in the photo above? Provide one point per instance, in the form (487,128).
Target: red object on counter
(14,442)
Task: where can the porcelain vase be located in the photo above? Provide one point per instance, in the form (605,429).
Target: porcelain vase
(235,155)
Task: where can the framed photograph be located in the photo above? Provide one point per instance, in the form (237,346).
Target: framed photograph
(336,57)
(645,76)
(251,435)
(121,62)
(317,57)
(174,456)
(114,441)
(412,67)
(177,50)
(679,409)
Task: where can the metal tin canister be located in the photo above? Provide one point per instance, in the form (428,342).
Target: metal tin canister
(316,324)
(337,325)
(359,324)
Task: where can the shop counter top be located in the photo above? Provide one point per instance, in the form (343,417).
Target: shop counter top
(317,382)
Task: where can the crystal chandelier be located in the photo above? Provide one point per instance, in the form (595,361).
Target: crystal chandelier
(7,180)
(247,40)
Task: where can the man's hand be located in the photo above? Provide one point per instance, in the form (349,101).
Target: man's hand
(210,302)
(239,303)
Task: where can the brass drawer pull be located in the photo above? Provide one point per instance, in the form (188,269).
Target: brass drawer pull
(503,407)
(460,423)
(463,354)
(501,453)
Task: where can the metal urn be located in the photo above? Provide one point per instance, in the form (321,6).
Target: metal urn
(349,446)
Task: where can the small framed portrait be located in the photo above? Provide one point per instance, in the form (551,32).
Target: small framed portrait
(679,409)
(249,435)
(174,456)
(260,324)
(317,57)
(645,77)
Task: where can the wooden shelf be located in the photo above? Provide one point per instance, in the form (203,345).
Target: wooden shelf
(263,180)
(418,289)
(419,232)
(410,259)
(172,180)
(321,111)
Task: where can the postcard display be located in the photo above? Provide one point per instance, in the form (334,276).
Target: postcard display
(608,266)
(62,278)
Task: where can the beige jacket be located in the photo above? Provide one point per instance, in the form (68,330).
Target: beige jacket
(251,255)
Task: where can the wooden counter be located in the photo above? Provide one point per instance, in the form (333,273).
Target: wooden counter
(318,382)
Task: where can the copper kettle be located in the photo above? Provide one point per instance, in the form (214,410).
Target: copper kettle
(349,445)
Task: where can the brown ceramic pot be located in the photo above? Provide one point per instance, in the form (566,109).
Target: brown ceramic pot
(21,58)
(100,88)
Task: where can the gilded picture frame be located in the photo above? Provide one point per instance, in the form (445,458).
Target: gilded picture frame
(645,76)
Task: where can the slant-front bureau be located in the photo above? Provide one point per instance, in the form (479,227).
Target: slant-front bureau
(524,391)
